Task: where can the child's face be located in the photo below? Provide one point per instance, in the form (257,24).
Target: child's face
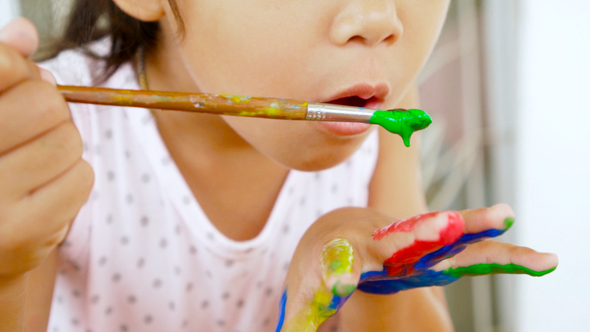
(310,50)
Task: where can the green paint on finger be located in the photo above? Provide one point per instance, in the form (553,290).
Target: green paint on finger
(481,269)
(508,222)
(337,258)
(402,122)
(343,290)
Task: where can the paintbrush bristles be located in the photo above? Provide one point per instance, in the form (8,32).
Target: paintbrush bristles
(189,102)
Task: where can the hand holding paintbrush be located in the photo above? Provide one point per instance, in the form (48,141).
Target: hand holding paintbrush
(399,121)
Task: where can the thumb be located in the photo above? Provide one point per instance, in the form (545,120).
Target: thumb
(21,35)
(306,304)
(338,262)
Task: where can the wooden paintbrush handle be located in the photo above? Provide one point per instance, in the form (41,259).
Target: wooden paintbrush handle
(189,102)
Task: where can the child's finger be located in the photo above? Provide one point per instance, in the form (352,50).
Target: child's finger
(14,68)
(21,35)
(482,258)
(408,245)
(340,267)
(39,161)
(480,224)
(307,303)
(499,217)
(56,203)
(400,245)
(28,110)
(489,257)
(47,76)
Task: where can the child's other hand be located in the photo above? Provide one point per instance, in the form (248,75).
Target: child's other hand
(351,249)
(43,180)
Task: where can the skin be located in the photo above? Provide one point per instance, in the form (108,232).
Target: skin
(306,50)
(205,61)
(44,180)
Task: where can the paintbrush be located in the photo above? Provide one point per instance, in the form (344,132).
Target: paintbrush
(399,121)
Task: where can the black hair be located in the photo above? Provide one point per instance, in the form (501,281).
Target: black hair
(91,20)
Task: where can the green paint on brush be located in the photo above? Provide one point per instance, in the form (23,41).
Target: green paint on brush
(481,269)
(402,122)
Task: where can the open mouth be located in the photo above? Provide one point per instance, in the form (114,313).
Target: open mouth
(356,101)
(360,95)
(351,128)
(350,101)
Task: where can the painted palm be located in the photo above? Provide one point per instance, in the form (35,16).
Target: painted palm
(421,248)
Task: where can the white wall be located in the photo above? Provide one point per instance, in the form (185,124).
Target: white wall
(9,9)
(553,161)
(500,44)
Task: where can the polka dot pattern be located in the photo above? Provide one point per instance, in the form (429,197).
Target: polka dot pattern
(142,255)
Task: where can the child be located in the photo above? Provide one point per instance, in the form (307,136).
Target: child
(121,219)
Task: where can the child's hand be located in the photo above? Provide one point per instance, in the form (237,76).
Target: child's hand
(351,249)
(43,180)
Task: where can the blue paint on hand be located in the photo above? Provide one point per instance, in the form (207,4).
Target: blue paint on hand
(282,306)
(379,282)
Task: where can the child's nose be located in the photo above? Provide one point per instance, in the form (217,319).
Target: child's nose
(369,22)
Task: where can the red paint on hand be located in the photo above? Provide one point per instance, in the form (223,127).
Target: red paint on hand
(404,225)
(402,261)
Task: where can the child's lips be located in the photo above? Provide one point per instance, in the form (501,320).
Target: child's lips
(344,128)
(350,128)
(358,95)
(364,91)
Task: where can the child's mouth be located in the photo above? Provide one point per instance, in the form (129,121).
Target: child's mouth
(351,128)
(356,101)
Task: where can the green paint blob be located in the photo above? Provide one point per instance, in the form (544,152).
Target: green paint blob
(508,222)
(343,290)
(402,122)
(481,269)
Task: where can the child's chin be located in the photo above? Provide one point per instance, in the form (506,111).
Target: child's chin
(344,128)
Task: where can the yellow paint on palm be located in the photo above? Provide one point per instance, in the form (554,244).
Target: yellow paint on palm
(310,318)
(337,257)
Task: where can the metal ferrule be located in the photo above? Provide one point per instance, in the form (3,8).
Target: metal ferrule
(328,112)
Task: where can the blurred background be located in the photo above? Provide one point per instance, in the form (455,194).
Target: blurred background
(508,88)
